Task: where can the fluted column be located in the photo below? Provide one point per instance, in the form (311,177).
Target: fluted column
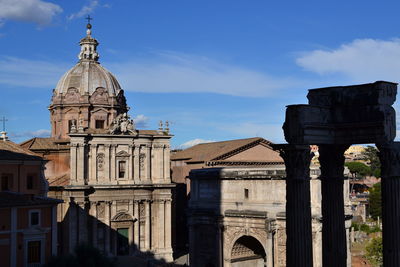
(298,208)
(389,156)
(334,244)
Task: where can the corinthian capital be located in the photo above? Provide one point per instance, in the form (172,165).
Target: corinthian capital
(389,155)
(297,160)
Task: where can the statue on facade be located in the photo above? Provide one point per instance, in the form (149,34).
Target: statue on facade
(122,124)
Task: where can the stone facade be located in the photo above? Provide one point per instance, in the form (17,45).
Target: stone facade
(243,212)
(28,235)
(114,179)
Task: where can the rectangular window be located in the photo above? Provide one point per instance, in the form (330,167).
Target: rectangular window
(4,183)
(99,124)
(246,193)
(34,218)
(34,252)
(121,169)
(29,181)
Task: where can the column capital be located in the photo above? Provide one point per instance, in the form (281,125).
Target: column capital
(389,155)
(297,160)
(331,158)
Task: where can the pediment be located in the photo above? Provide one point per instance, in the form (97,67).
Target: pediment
(259,152)
(122,154)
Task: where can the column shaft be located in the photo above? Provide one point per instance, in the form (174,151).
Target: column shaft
(298,208)
(334,244)
(390,189)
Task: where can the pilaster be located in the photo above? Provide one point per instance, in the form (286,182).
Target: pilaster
(147,241)
(136,164)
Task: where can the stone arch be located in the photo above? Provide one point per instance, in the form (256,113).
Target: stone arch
(122,217)
(248,251)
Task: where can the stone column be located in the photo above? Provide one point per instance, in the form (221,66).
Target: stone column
(107,174)
(390,159)
(93,214)
(136,238)
(81,164)
(82,226)
(130,163)
(113,167)
(107,221)
(148,168)
(168,222)
(161,224)
(136,166)
(166,163)
(73,163)
(298,209)
(147,227)
(334,244)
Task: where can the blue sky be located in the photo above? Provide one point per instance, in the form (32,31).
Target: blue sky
(218,70)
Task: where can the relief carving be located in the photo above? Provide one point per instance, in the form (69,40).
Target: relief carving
(72,95)
(100,161)
(142,157)
(100,96)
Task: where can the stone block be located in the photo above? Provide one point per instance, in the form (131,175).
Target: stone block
(307,124)
(377,93)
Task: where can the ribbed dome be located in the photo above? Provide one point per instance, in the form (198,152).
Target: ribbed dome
(87,76)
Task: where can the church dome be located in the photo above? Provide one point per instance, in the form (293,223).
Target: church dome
(86,77)
(87,96)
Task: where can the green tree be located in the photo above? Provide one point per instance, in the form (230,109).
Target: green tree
(358,169)
(374,251)
(371,155)
(85,256)
(375,201)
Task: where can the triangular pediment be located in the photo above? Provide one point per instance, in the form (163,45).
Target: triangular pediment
(257,153)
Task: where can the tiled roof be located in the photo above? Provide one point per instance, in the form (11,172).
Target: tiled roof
(61,180)
(49,143)
(218,150)
(12,199)
(11,151)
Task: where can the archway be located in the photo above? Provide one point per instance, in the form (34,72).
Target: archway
(248,251)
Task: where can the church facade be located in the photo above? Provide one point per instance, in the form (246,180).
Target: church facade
(113,178)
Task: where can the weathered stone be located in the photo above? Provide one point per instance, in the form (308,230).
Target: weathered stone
(306,124)
(370,94)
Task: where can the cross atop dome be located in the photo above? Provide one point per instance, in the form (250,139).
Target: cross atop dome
(88,44)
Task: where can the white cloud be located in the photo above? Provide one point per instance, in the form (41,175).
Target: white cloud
(29,134)
(141,121)
(174,72)
(30,73)
(194,142)
(85,10)
(362,60)
(36,11)
(167,73)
